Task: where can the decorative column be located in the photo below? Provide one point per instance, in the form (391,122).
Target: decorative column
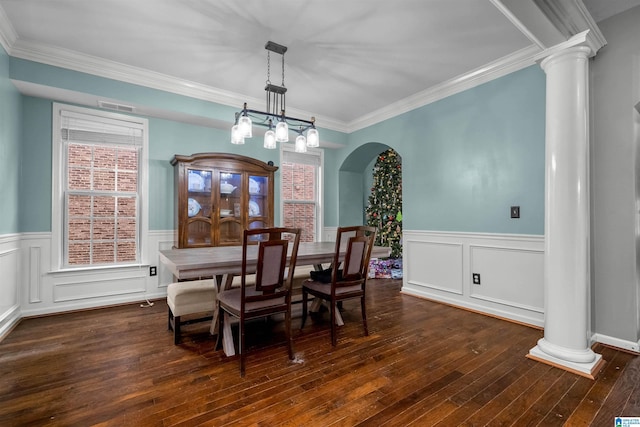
(566,257)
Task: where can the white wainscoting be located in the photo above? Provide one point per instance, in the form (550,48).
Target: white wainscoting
(439,266)
(9,282)
(41,290)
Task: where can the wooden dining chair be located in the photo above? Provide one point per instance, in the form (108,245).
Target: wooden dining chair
(269,292)
(349,282)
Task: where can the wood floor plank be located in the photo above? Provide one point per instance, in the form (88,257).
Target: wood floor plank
(423,363)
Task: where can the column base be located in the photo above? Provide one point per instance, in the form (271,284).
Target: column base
(589,370)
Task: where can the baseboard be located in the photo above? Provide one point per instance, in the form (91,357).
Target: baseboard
(480,309)
(9,320)
(90,305)
(631,346)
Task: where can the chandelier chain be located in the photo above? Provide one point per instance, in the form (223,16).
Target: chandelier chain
(283,70)
(269,68)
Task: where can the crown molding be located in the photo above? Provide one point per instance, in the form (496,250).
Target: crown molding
(572,18)
(501,67)
(75,61)
(8,35)
(68,59)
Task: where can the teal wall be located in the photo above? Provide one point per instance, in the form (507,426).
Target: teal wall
(10,110)
(35,179)
(469,157)
(466,158)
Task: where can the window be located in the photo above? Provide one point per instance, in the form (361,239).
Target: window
(99,179)
(301,192)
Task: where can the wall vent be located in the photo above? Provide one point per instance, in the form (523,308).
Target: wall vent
(116,107)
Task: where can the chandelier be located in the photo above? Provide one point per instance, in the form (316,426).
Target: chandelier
(274,117)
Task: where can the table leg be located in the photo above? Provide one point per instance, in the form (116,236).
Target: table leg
(213,330)
(339,320)
(315,307)
(227,337)
(223,282)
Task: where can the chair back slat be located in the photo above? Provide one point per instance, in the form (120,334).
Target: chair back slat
(272,248)
(272,257)
(356,250)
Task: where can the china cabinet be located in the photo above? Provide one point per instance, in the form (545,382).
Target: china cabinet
(218,195)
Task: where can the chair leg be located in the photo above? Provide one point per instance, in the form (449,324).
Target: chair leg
(334,340)
(176,330)
(304,308)
(287,322)
(241,349)
(169,319)
(364,316)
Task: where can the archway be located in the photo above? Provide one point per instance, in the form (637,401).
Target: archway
(355,181)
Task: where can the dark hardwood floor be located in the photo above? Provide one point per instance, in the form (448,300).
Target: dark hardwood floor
(423,364)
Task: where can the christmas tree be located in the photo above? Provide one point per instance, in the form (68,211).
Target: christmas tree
(384,210)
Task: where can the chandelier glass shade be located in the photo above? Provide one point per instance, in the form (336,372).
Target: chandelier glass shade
(270,139)
(236,135)
(274,114)
(301,144)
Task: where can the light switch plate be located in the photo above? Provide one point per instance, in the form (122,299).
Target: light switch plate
(515,211)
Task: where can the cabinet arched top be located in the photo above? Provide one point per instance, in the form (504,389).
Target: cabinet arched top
(224,160)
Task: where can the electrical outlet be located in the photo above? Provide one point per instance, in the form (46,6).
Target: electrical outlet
(515,211)
(153,270)
(476,278)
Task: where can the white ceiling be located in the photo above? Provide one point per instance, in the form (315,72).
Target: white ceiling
(347,59)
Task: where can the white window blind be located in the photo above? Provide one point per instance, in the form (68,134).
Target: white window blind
(89,129)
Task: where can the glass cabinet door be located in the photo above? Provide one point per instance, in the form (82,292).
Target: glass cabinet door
(258,200)
(198,230)
(230,212)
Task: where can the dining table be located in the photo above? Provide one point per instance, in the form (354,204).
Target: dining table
(225,262)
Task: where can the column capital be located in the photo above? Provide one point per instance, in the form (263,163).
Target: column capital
(574,52)
(581,40)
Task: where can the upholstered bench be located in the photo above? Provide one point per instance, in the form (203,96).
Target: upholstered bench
(184,298)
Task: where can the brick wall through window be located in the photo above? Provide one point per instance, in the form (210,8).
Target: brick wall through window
(299,198)
(102,186)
